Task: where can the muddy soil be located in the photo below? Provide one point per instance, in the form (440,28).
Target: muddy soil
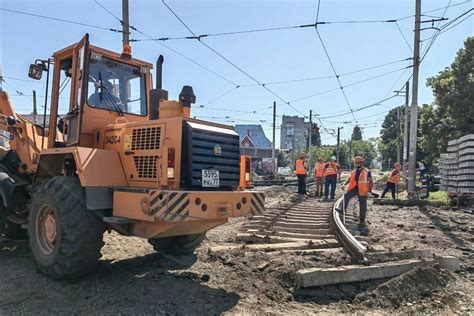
(131,278)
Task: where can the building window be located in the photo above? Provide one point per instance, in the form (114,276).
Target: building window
(290,130)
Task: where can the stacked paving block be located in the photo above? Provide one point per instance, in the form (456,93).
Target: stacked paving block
(457,165)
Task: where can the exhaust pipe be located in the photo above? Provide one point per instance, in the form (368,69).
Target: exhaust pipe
(159,72)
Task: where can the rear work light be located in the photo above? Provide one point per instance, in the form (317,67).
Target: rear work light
(171,163)
(245,172)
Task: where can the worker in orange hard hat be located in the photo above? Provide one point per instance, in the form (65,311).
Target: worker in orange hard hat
(393,180)
(360,184)
(319,176)
(332,174)
(301,169)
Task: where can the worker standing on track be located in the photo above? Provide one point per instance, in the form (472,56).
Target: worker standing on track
(301,169)
(332,174)
(319,176)
(393,180)
(360,184)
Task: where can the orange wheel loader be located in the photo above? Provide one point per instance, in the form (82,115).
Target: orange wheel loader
(122,158)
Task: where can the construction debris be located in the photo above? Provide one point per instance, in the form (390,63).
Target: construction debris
(356,273)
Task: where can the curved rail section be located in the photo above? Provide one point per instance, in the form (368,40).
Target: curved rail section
(355,248)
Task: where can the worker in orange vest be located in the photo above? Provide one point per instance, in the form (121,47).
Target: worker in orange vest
(319,176)
(393,180)
(360,184)
(332,174)
(301,169)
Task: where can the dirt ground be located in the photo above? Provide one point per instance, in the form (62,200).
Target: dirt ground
(131,278)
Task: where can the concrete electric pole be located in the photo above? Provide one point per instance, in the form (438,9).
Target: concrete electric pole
(414,102)
(309,138)
(273,144)
(338,141)
(125,23)
(405,128)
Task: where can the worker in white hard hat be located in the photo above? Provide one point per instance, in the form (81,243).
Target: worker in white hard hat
(332,174)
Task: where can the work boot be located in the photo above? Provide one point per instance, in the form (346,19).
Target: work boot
(363,229)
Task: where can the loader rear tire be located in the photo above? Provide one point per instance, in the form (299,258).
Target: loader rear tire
(9,229)
(65,238)
(177,245)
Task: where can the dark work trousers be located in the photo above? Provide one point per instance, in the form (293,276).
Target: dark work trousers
(389,186)
(330,181)
(362,203)
(301,183)
(319,186)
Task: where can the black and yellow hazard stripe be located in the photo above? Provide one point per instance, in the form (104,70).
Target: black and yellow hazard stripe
(169,206)
(258,203)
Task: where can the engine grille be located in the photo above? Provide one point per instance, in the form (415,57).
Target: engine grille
(146,166)
(199,154)
(146,138)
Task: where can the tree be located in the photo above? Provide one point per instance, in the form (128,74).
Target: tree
(315,136)
(365,148)
(356,133)
(453,112)
(388,136)
(324,152)
(282,159)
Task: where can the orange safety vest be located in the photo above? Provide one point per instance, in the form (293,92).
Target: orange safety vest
(318,169)
(300,167)
(394,176)
(363,183)
(331,169)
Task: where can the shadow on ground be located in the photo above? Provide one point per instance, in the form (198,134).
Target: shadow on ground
(139,285)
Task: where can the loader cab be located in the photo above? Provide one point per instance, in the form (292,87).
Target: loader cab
(93,88)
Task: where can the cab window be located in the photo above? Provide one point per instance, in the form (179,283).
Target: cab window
(116,86)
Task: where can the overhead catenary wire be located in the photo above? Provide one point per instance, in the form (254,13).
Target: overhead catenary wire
(171,49)
(230,62)
(328,76)
(335,73)
(61,20)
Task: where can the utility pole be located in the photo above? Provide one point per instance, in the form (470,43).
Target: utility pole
(405,128)
(338,140)
(35,109)
(414,102)
(350,154)
(398,134)
(125,23)
(309,138)
(273,144)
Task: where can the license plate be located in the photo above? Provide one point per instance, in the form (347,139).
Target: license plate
(210,178)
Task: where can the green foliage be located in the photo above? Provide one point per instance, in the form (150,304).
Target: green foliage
(315,136)
(449,117)
(356,133)
(283,159)
(365,148)
(388,136)
(452,114)
(323,152)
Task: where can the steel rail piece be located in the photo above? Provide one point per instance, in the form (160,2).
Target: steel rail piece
(353,246)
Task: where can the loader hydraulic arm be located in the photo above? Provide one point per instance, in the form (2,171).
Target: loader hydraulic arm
(24,135)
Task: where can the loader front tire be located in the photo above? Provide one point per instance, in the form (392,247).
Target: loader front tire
(177,245)
(65,238)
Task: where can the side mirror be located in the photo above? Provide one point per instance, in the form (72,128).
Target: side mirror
(35,71)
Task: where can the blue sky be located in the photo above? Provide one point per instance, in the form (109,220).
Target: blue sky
(267,56)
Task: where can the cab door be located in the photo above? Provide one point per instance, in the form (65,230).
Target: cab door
(80,77)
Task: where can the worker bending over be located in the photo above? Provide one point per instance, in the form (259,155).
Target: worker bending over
(360,184)
(393,180)
(332,174)
(319,176)
(301,169)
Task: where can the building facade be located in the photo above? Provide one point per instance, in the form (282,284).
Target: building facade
(294,131)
